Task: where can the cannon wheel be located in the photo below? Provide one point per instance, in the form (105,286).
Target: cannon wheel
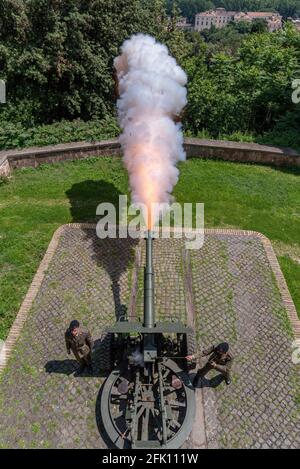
(132,421)
(106,351)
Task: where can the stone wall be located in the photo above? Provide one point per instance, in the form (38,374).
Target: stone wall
(195,148)
(241,152)
(4,167)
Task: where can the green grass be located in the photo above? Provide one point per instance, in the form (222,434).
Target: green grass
(37,201)
(35,427)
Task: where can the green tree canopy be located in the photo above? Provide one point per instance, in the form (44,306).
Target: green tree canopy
(245,92)
(57,55)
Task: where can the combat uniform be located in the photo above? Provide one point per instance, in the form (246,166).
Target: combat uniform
(81,345)
(223,363)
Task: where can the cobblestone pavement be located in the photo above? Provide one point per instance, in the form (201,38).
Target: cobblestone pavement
(44,404)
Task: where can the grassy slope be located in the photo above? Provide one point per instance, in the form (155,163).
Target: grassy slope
(36,201)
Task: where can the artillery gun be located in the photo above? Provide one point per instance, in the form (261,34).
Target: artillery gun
(147,400)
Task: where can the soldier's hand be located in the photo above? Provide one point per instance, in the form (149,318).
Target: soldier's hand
(213,364)
(190,357)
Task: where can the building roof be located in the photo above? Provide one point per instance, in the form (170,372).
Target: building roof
(261,14)
(220,12)
(251,14)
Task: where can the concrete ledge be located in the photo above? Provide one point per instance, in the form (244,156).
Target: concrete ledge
(33,157)
(241,152)
(195,148)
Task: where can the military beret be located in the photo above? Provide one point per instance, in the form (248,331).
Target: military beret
(73,325)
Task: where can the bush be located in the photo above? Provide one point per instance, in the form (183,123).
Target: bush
(3,180)
(238,137)
(247,91)
(17,136)
(285,133)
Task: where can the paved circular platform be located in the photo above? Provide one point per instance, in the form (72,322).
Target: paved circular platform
(227,289)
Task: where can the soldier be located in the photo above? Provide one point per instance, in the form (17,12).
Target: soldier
(81,344)
(220,359)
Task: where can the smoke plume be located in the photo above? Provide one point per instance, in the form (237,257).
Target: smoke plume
(152,95)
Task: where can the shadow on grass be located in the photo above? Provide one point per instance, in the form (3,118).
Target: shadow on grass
(85,196)
(114,255)
(295,170)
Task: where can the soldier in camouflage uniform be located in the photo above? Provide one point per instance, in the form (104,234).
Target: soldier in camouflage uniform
(81,344)
(220,359)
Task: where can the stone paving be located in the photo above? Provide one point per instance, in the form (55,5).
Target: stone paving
(44,404)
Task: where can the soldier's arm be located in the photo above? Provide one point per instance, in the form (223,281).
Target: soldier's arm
(229,363)
(202,353)
(193,357)
(224,368)
(89,340)
(208,351)
(67,344)
(220,368)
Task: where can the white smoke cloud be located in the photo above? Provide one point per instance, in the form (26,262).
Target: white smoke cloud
(152,94)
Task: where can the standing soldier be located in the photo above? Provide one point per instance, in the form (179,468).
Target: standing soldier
(81,344)
(220,359)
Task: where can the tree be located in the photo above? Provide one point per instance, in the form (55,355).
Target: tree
(248,91)
(189,8)
(259,26)
(57,55)
(14,23)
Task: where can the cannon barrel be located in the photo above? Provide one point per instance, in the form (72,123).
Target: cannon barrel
(149,313)
(155,405)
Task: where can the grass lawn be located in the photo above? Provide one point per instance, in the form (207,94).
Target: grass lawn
(34,202)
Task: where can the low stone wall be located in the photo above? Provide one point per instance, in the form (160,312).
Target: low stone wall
(241,152)
(195,148)
(4,167)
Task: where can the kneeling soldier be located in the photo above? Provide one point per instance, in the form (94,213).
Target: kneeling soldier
(81,344)
(220,359)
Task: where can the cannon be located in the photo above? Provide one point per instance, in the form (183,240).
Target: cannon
(147,400)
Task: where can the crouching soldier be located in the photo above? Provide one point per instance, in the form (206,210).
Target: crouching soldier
(220,359)
(81,344)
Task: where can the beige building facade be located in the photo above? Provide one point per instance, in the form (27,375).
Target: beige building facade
(221,17)
(218,18)
(296,23)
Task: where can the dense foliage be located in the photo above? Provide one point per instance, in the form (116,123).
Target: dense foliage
(57,59)
(248,91)
(57,55)
(14,135)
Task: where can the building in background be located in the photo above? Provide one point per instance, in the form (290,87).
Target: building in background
(218,18)
(183,23)
(295,22)
(273,20)
(221,17)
